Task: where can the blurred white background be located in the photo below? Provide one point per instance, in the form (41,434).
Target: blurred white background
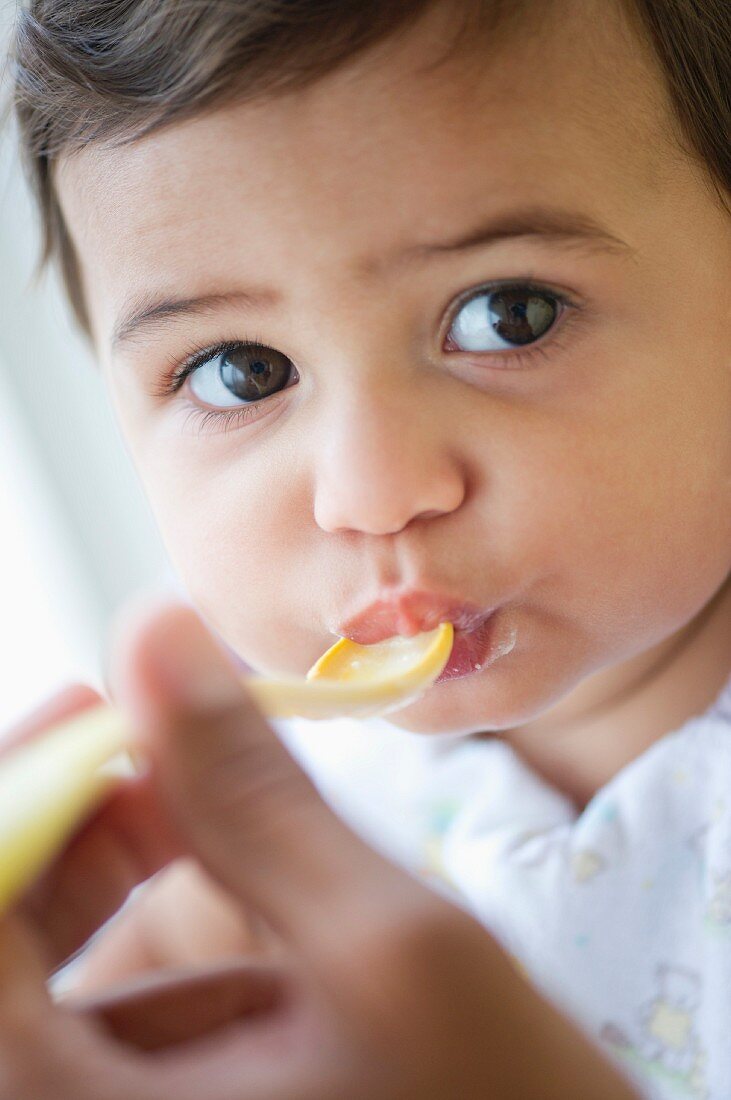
(77,537)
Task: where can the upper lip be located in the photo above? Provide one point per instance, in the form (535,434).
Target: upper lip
(409,612)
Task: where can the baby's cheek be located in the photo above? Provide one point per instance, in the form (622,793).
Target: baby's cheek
(652,542)
(249,571)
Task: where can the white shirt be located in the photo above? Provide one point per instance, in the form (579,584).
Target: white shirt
(621,913)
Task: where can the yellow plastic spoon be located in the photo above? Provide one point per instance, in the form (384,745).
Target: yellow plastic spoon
(359,681)
(49,785)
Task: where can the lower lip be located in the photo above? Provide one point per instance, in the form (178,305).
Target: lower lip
(472,651)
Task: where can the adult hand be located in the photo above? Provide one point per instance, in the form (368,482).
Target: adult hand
(386,991)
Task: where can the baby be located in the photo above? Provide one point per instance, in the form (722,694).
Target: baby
(420,311)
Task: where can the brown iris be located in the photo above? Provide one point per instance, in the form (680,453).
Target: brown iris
(254,371)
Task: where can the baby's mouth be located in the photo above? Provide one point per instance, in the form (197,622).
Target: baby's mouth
(472,651)
(477,641)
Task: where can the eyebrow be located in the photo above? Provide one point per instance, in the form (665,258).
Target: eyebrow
(153,310)
(554,226)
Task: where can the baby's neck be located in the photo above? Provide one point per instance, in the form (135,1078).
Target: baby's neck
(641,700)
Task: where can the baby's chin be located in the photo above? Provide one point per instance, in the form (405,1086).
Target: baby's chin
(458,709)
(520,687)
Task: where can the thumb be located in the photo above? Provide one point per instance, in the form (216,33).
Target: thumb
(249,812)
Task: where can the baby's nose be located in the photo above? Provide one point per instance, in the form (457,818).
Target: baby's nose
(382,467)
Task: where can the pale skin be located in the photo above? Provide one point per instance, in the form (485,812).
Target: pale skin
(586,489)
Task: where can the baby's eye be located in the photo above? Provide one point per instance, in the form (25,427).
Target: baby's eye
(498,319)
(245,372)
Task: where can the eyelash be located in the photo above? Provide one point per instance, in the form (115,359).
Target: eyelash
(238,415)
(196,357)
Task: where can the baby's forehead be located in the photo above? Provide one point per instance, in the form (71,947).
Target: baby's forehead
(370,159)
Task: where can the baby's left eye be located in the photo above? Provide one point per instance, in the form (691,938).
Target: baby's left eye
(508,317)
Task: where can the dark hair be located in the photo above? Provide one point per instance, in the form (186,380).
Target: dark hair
(95,70)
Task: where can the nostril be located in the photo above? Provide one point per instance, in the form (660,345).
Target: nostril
(431,514)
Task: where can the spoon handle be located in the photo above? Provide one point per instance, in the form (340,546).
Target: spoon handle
(49,785)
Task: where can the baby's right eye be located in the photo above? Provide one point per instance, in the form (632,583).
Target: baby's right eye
(243,372)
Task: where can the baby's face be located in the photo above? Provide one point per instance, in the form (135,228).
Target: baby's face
(537,421)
